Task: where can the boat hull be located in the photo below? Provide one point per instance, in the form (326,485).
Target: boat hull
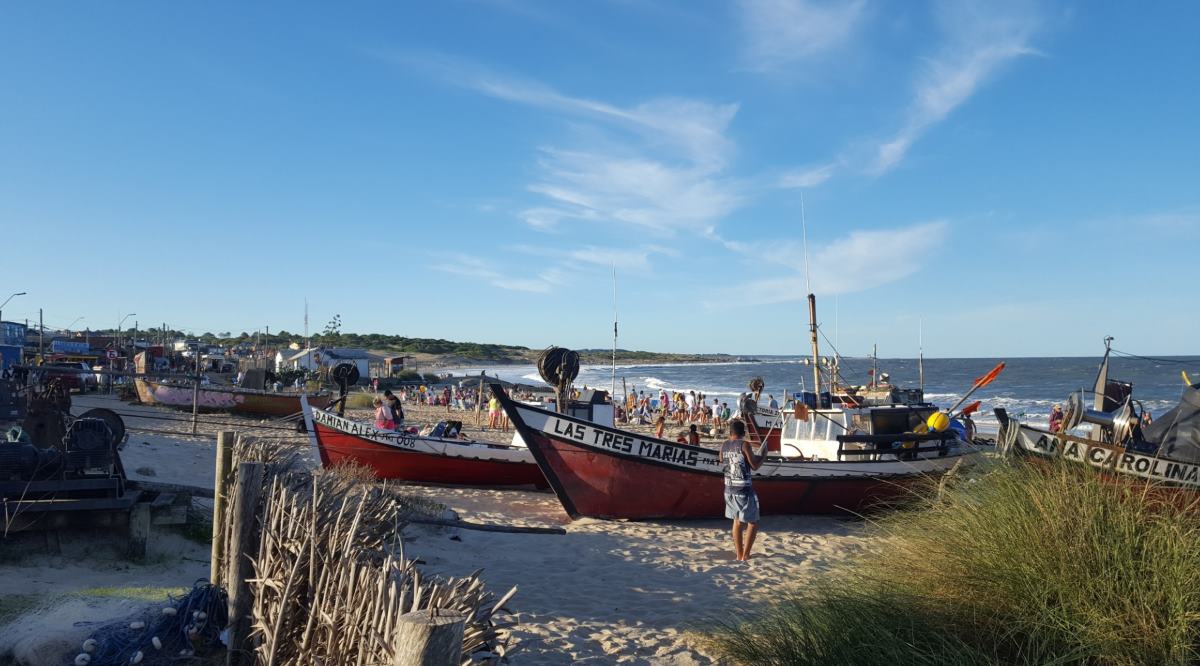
(214,399)
(406,457)
(1036,443)
(604,472)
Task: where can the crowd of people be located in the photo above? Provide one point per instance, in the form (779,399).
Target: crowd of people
(677,407)
(389,407)
(693,411)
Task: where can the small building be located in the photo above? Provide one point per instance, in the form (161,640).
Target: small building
(317,358)
(12,342)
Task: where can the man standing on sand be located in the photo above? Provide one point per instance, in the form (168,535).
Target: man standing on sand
(393,403)
(741,502)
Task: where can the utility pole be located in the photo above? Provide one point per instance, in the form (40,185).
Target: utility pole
(41,337)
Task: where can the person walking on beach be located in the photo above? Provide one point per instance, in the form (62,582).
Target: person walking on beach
(741,502)
(493,413)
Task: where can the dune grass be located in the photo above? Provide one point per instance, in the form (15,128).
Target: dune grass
(1020,564)
(360,399)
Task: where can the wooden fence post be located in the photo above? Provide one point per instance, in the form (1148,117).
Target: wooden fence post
(429,638)
(139,530)
(243,545)
(225,440)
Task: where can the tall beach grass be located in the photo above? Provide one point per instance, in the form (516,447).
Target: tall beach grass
(1020,564)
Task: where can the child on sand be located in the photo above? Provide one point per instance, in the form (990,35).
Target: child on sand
(383,415)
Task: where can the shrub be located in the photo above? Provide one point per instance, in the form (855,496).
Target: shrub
(1020,565)
(360,400)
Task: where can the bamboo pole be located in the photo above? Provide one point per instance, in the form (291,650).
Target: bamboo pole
(224,465)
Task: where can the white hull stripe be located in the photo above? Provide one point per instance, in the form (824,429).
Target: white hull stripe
(693,458)
(433,446)
(1048,445)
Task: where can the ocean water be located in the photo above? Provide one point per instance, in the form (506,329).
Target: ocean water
(1027,388)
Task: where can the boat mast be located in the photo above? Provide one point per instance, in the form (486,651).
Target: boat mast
(812,326)
(613,394)
(875,364)
(812,308)
(921,354)
(1101,388)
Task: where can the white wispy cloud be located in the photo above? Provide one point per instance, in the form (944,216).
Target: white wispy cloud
(981,38)
(807,176)
(660,165)
(859,261)
(778,33)
(631,258)
(479,269)
(635,190)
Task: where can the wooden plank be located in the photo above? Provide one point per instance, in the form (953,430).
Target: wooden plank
(122,503)
(162,500)
(194,491)
(481,527)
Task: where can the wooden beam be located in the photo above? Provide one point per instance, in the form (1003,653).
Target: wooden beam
(429,638)
(243,545)
(224,464)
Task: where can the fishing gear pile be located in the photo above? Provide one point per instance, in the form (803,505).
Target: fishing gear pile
(189,626)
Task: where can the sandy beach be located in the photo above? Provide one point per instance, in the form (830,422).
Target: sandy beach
(616,591)
(606,591)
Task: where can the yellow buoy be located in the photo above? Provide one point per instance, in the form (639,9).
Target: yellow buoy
(938,421)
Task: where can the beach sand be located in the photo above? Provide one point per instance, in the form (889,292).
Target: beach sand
(618,591)
(607,591)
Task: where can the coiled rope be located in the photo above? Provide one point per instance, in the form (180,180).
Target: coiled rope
(558,367)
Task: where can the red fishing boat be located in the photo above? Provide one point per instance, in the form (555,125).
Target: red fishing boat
(439,456)
(603,472)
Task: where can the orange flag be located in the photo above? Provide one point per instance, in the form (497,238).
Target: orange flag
(990,377)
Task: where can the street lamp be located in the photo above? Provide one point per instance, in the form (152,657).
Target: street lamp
(72,325)
(132,314)
(19,293)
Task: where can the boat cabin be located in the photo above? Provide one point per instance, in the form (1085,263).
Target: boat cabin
(835,434)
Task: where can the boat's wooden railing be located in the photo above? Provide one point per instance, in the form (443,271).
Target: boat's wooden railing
(886,444)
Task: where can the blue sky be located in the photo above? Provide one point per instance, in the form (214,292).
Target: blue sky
(1021,178)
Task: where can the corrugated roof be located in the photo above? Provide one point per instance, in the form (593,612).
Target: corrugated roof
(335,353)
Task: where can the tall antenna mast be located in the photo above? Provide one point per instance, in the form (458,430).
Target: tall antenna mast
(812,307)
(921,353)
(613,394)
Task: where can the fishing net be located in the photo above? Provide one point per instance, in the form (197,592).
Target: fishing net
(182,627)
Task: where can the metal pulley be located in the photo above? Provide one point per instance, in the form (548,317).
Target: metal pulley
(345,375)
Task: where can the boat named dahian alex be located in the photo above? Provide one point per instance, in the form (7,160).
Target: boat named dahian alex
(600,471)
(438,456)
(233,399)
